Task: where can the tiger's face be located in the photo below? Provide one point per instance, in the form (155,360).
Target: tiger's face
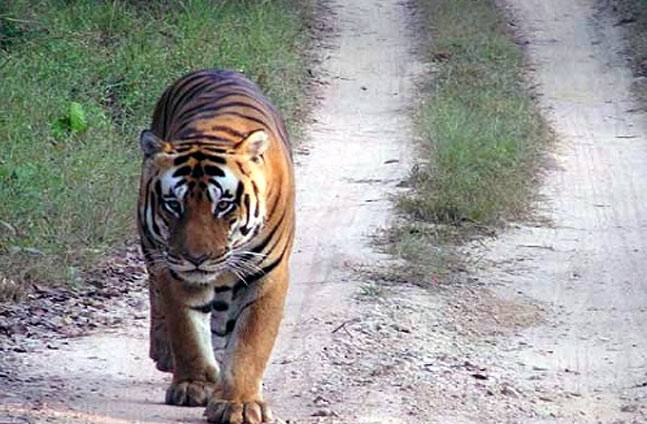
(204,204)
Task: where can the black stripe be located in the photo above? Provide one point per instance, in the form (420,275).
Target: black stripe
(215,150)
(166,110)
(180,160)
(231,324)
(205,309)
(214,171)
(239,192)
(229,327)
(214,305)
(188,144)
(188,95)
(200,156)
(228,130)
(145,208)
(222,289)
(171,93)
(198,172)
(216,183)
(144,213)
(253,278)
(260,247)
(181,172)
(244,116)
(158,188)
(257,209)
(147,234)
(194,136)
(242,169)
(219,306)
(153,206)
(241,105)
(183,84)
(246,202)
(207,101)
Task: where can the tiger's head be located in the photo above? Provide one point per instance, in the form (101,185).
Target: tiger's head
(202,203)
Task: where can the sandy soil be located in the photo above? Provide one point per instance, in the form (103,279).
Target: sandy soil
(587,266)
(355,153)
(548,329)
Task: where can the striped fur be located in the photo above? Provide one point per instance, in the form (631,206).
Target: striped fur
(216,223)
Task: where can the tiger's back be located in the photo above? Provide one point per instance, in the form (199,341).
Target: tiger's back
(215,105)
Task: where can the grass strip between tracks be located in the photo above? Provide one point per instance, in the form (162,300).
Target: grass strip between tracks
(481,134)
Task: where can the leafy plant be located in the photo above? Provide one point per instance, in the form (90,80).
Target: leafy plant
(73,122)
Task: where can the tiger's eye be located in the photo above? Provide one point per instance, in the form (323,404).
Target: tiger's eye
(223,205)
(173,206)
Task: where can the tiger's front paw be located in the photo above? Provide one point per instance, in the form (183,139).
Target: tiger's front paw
(190,393)
(221,411)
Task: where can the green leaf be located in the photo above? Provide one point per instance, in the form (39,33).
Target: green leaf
(60,128)
(78,123)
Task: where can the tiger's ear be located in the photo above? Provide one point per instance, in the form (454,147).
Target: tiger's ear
(255,144)
(150,143)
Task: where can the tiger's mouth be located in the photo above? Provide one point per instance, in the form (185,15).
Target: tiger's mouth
(204,274)
(201,273)
(199,276)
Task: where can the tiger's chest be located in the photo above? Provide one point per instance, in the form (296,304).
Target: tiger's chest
(227,307)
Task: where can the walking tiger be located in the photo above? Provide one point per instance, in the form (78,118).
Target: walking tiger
(216,223)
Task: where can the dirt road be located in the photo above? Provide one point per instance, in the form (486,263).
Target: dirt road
(588,266)
(353,156)
(550,328)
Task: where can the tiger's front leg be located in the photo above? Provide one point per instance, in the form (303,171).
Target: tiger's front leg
(195,372)
(248,350)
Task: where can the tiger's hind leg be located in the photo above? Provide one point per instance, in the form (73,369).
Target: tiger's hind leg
(160,347)
(246,356)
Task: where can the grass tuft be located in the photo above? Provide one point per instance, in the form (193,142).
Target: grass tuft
(482,137)
(79,81)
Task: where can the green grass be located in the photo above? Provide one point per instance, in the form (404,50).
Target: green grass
(69,195)
(482,136)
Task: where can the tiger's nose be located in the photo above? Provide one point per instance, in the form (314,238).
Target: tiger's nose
(195,260)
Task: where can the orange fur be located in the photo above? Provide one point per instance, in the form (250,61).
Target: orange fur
(216,220)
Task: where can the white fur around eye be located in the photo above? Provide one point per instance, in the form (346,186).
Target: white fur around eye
(180,191)
(169,183)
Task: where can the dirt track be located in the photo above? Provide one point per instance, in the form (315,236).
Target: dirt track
(587,266)
(353,156)
(552,330)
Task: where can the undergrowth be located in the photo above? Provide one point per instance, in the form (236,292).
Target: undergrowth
(632,16)
(79,82)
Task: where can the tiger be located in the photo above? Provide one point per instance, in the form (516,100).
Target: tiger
(216,225)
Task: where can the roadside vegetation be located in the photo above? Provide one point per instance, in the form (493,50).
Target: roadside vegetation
(79,82)
(481,136)
(632,15)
